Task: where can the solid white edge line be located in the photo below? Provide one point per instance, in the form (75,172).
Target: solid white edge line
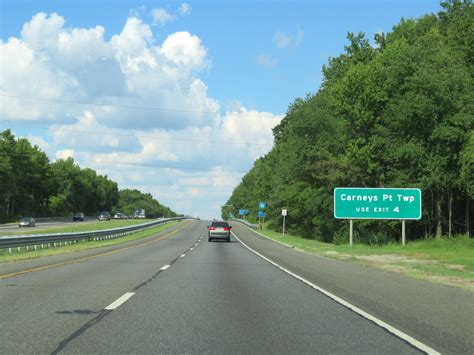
(117,303)
(165,267)
(412,341)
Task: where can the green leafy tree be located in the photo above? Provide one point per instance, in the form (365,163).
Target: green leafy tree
(397,114)
(26,178)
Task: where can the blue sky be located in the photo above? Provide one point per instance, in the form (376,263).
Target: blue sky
(241,62)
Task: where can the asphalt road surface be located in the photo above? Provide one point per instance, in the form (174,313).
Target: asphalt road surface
(175,293)
(440,316)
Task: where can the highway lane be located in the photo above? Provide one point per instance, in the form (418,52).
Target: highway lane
(440,316)
(27,265)
(216,297)
(41,308)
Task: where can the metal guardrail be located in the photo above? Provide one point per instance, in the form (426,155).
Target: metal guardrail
(248,224)
(18,241)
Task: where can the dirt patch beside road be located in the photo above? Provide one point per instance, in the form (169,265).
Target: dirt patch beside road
(408,266)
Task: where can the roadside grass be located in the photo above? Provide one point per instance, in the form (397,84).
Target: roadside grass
(446,260)
(79,227)
(6,257)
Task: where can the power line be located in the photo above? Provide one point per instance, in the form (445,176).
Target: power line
(137,135)
(138,164)
(133,107)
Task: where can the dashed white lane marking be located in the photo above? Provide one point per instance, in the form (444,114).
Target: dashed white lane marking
(165,267)
(182,255)
(417,344)
(116,304)
(195,244)
(191,248)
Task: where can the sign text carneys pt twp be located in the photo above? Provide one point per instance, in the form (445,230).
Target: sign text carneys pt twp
(371,198)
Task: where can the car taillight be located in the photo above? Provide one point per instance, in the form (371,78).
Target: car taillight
(212,228)
(226,228)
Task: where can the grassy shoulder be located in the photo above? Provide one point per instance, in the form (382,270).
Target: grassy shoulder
(446,260)
(5,257)
(79,227)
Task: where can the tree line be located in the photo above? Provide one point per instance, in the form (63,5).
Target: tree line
(32,185)
(130,200)
(397,113)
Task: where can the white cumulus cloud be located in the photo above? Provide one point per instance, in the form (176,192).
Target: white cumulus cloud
(133,107)
(65,153)
(185,50)
(161,16)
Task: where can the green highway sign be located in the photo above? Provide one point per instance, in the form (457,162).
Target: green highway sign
(377,203)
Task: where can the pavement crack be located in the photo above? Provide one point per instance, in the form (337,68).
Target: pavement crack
(147,281)
(79,311)
(102,314)
(80,331)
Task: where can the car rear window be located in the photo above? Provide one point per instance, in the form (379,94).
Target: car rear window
(220,224)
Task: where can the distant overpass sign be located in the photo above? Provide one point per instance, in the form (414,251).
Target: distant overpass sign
(377,203)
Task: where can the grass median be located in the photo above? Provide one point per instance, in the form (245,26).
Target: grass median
(78,227)
(80,245)
(446,260)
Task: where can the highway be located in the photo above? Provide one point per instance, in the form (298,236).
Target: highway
(13,227)
(175,293)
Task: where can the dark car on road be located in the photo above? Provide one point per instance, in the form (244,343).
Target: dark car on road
(78,217)
(219,230)
(104,216)
(27,222)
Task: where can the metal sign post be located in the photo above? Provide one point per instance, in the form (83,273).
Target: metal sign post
(261,217)
(242,213)
(261,214)
(351,229)
(403,232)
(284,213)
